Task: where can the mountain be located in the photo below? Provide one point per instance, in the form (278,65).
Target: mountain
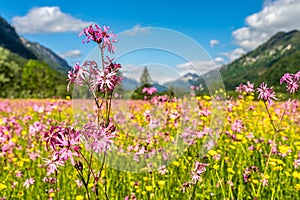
(10,40)
(267,63)
(47,56)
(129,84)
(186,81)
(27,69)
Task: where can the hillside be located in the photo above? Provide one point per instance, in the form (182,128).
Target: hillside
(280,54)
(47,56)
(23,78)
(11,41)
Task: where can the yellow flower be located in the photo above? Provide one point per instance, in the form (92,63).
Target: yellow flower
(296,174)
(239,137)
(2,186)
(212,153)
(206,97)
(131,183)
(51,194)
(20,163)
(144,192)
(68,97)
(79,197)
(149,188)
(297,187)
(284,149)
(145,178)
(176,163)
(161,183)
(230,170)
(216,167)
(255,182)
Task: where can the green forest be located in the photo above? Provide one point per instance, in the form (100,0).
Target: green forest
(22,78)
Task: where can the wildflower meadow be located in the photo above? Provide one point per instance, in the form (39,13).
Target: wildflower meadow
(161,147)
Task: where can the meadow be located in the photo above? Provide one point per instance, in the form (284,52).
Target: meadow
(249,160)
(162,147)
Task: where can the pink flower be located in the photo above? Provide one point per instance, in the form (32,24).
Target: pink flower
(162,170)
(150,90)
(199,169)
(292,81)
(265,93)
(249,88)
(106,80)
(28,182)
(99,139)
(77,75)
(296,163)
(19,174)
(64,142)
(237,126)
(100,35)
(53,164)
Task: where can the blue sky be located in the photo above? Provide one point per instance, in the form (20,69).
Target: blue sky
(225,29)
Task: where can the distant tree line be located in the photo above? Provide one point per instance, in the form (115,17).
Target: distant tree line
(22,78)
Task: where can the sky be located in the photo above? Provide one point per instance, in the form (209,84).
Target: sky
(224,29)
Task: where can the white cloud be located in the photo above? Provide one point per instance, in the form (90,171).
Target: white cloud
(137,29)
(278,15)
(71,54)
(234,54)
(47,20)
(219,60)
(199,67)
(213,43)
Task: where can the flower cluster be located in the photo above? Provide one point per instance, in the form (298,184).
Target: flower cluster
(99,140)
(100,35)
(150,90)
(64,144)
(199,169)
(248,171)
(292,81)
(249,88)
(265,93)
(106,80)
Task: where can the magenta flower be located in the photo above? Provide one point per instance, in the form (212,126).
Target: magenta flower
(292,81)
(100,35)
(106,80)
(237,126)
(28,182)
(150,90)
(99,139)
(199,169)
(64,142)
(77,75)
(287,77)
(249,88)
(19,174)
(265,93)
